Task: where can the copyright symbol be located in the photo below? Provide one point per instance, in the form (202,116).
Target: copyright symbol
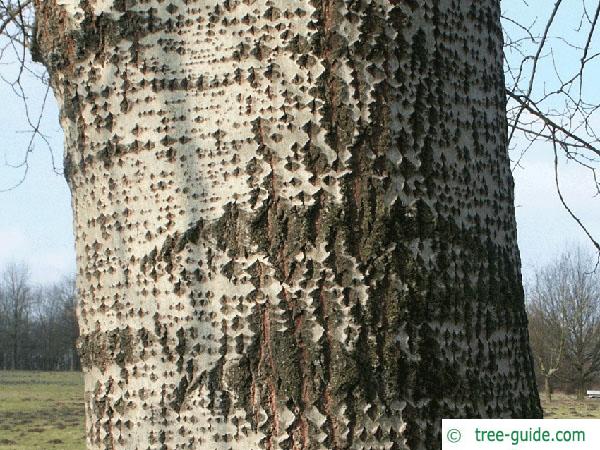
(453,435)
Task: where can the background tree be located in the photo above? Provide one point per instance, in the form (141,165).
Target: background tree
(547,313)
(564,312)
(15,294)
(38,327)
(547,338)
(583,323)
(67,293)
(56,328)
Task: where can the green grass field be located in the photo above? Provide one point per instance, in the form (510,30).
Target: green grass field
(44,410)
(41,411)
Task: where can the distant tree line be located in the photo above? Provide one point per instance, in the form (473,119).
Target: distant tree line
(38,326)
(564,324)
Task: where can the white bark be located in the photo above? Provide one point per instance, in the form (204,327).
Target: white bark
(291,220)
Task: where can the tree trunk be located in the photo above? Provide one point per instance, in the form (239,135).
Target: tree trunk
(14,363)
(294,220)
(581,390)
(548,388)
(71,366)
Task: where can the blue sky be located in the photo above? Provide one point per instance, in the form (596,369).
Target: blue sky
(36,219)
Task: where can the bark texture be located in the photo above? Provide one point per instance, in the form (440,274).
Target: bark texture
(294,220)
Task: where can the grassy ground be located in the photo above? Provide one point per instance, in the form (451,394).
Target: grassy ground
(41,411)
(44,410)
(565,406)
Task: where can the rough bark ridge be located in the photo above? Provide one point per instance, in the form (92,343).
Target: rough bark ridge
(294,220)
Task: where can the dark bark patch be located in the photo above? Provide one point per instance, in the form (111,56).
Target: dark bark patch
(99,349)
